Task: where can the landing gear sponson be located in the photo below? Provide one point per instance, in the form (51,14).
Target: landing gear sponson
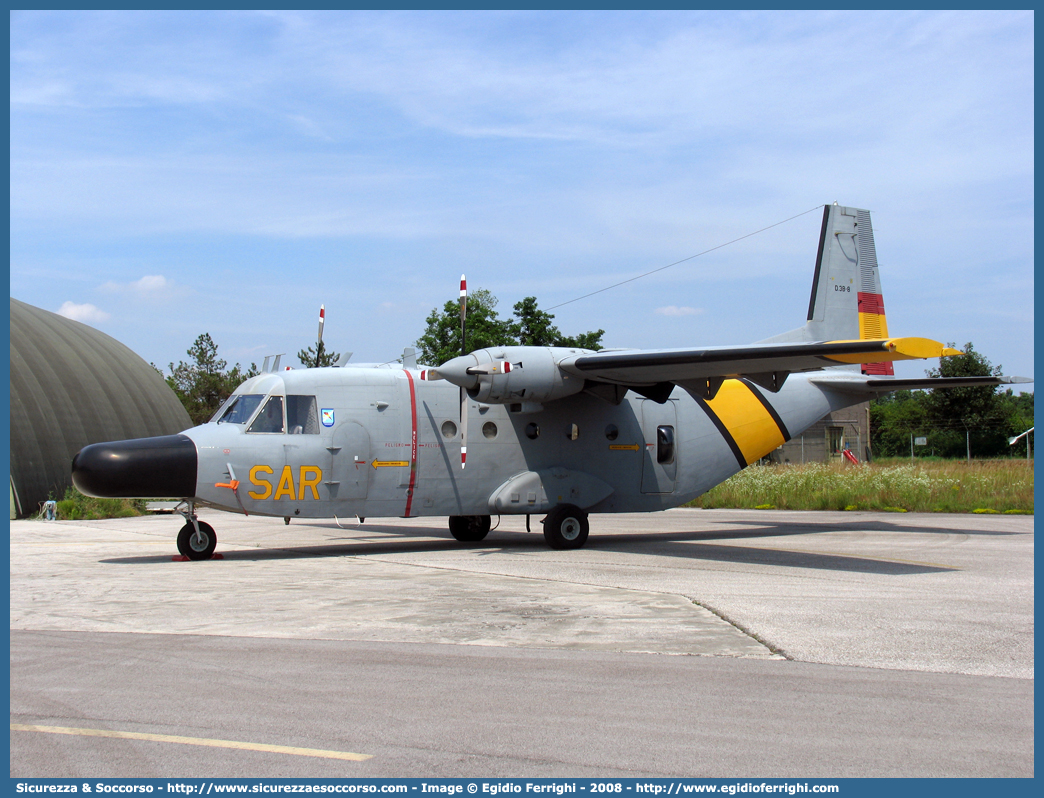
(565,527)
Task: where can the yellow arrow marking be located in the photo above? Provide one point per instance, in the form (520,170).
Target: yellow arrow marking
(633,447)
(170,738)
(386,463)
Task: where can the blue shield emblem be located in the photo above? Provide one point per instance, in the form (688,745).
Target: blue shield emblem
(328,417)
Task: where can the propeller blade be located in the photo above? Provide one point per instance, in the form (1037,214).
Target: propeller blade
(463,428)
(463,313)
(463,392)
(319,346)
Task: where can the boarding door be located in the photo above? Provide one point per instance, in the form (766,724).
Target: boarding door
(350,461)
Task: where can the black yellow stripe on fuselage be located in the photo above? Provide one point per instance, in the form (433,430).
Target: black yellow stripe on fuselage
(748,423)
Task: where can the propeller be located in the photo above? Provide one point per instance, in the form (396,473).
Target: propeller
(437,373)
(463,392)
(319,347)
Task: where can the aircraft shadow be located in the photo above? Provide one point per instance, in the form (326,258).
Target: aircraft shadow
(803,527)
(692,545)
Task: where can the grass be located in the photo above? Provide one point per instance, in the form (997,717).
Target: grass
(74,506)
(940,486)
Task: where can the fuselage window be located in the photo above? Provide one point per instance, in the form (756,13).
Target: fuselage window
(238,409)
(665,445)
(270,419)
(301,416)
(449,429)
(532,430)
(489,429)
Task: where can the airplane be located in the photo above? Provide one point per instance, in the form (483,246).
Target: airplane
(523,430)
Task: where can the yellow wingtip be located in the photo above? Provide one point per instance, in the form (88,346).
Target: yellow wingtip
(899,349)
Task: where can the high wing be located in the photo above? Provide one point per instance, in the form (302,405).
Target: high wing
(654,373)
(845,335)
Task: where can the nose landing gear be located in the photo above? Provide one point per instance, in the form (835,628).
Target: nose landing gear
(197,539)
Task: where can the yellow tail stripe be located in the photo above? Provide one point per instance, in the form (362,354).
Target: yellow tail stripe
(170,738)
(872,325)
(748,422)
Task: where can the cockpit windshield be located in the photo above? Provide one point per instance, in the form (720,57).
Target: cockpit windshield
(270,419)
(238,409)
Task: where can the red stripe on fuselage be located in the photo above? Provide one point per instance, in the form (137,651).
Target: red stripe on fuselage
(413,444)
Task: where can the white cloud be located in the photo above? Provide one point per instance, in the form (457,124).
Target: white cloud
(674,310)
(86,313)
(149,284)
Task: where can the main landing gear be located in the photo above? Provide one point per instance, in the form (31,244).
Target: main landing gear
(197,539)
(565,527)
(469,528)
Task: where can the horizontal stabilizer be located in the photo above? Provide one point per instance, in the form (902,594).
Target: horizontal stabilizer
(855,383)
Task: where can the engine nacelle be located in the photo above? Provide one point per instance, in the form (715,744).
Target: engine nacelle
(508,374)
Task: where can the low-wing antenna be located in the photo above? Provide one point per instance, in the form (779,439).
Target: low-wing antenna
(706,251)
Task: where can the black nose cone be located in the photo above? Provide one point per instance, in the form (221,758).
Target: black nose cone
(143,468)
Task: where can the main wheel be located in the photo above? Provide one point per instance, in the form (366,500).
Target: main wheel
(197,547)
(566,527)
(469,528)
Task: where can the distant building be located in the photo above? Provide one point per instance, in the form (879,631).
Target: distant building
(72,385)
(825,440)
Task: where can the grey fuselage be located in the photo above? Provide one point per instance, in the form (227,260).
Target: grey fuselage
(388,445)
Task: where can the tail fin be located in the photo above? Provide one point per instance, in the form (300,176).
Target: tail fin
(846,302)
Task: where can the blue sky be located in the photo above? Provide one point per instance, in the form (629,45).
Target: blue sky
(227,172)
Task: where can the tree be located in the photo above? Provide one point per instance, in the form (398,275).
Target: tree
(893,419)
(204,383)
(441,339)
(530,327)
(953,419)
(967,417)
(534,328)
(307,357)
(968,406)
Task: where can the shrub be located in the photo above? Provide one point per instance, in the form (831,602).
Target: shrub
(74,506)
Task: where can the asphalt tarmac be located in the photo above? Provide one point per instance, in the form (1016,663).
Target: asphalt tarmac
(686,643)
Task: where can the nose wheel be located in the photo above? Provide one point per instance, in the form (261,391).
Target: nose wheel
(197,544)
(197,539)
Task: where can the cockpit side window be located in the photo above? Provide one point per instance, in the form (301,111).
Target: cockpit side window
(270,419)
(301,415)
(238,409)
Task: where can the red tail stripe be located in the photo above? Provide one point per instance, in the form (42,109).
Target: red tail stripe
(881,369)
(871,303)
